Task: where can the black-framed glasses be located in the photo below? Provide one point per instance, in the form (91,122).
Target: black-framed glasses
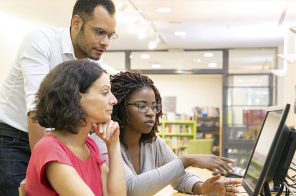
(144,107)
(101,33)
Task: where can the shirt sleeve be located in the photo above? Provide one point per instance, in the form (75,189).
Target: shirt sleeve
(169,171)
(33,57)
(48,150)
(183,183)
(149,183)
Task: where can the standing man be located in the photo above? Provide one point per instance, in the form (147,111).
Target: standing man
(92,27)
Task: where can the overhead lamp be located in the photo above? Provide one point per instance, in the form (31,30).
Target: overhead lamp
(290,58)
(280,72)
(180,34)
(146,20)
(208,54)
(153,44)
(155,66)
(212,65)
(141,35)
(197,60)
(163,10)
(145,56)
(131,28)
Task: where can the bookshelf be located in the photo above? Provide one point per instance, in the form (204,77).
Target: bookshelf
(177,134)
(209,126)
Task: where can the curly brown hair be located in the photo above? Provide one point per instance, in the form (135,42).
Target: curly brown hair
(123,85)
(58,98)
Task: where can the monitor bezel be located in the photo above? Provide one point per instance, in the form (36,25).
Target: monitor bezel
(270,156)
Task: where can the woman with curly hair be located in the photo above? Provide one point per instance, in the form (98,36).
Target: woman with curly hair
(150,164)
(73,99)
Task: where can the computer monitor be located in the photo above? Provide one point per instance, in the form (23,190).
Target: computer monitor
(264,163)
(281,171)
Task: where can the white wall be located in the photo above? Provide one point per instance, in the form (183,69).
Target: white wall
(191,90)
(17,21)
(13,31)
(286,92)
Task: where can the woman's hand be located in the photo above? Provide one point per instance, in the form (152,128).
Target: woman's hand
(109,131)
(210,162)
(217,186)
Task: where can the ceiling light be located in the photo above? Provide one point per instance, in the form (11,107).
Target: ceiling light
(155,66)
(280,72)
(180,33)
(152,45)
(145,56)
(163,10)
(212,65)
(131,28)
(141,35)
(197,60)
(208,54)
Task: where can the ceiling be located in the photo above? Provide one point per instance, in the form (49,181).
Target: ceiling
(207,23)
(216,23)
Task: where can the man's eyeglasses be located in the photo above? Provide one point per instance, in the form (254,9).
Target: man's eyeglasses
(101,34)
(143,107)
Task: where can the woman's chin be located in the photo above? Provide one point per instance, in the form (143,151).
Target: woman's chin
(147,131)
(106,119)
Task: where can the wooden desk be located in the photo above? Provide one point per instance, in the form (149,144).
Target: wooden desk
(203,174)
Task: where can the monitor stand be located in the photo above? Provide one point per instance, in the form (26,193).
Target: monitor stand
(266,190)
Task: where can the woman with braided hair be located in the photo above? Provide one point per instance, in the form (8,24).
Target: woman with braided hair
(150,164)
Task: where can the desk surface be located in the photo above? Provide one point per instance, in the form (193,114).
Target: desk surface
(202,173)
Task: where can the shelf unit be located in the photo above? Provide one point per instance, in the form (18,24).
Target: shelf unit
(209,128)
(177,134)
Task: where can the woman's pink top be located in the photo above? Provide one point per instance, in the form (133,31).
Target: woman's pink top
(51,149)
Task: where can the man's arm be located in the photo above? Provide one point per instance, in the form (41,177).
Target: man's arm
(35,130)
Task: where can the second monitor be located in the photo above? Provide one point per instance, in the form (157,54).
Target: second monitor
(273,151)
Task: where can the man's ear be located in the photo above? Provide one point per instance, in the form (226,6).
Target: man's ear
(76,22)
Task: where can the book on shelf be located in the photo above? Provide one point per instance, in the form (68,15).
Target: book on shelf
(208,125)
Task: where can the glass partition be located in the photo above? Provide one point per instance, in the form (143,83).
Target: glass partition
(116,60)
(252,60)
(179,60)
(247,99)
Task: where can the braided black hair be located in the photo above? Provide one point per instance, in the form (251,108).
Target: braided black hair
(123,85)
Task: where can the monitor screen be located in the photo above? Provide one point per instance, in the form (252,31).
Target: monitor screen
(262,155)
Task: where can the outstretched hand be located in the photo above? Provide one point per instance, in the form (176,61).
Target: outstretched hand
(217,186)
(108,132)
(211,162)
